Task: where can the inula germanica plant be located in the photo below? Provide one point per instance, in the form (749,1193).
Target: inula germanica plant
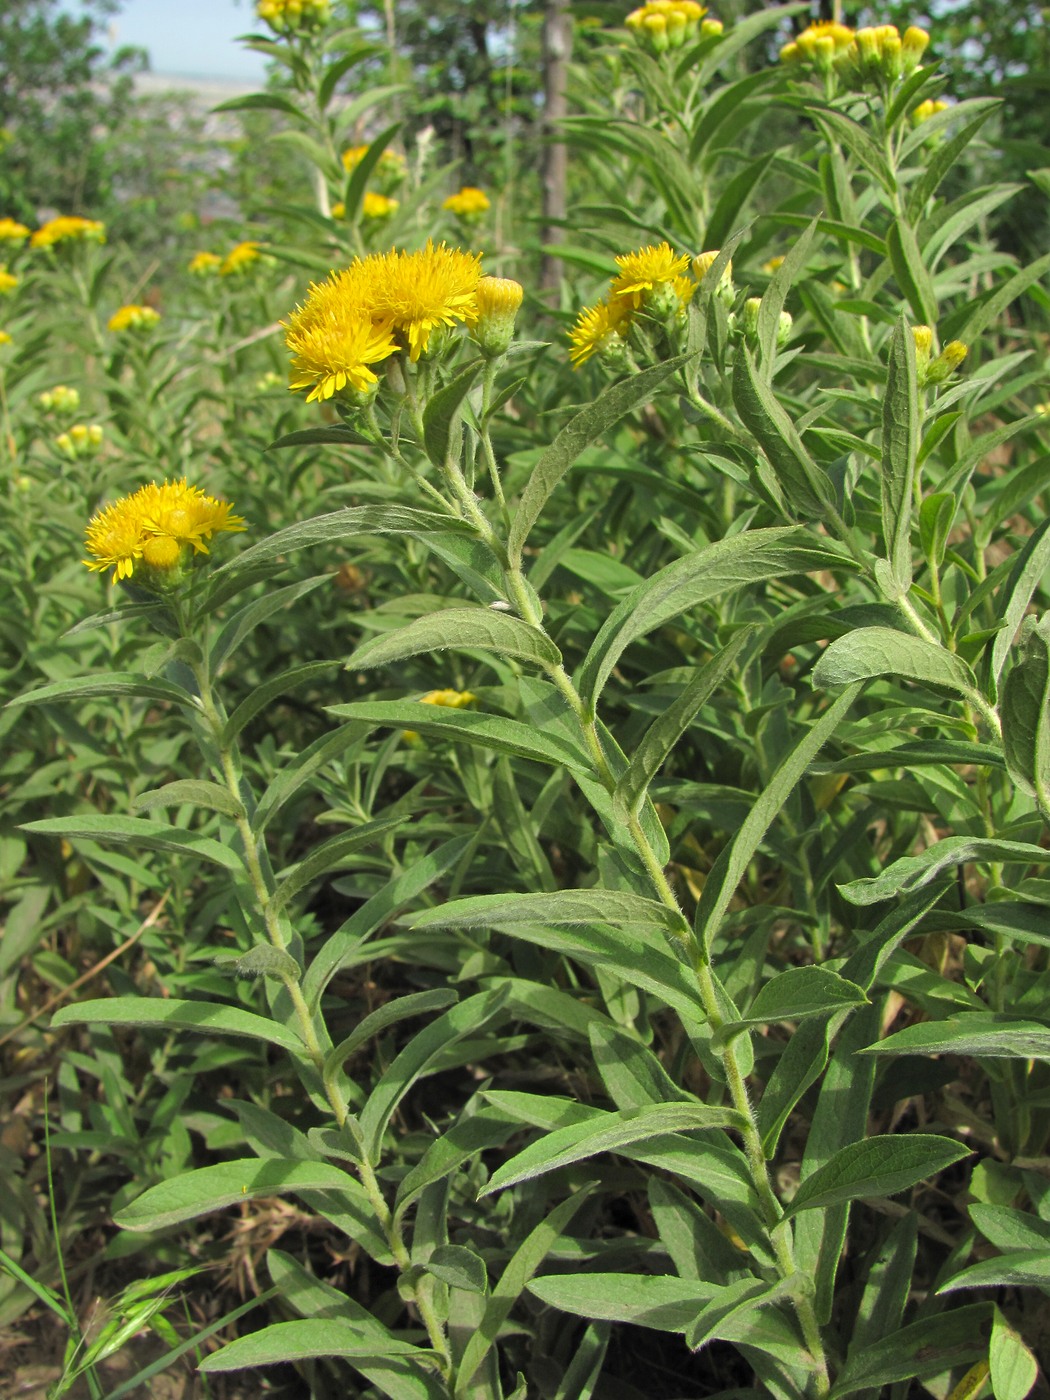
(676,686)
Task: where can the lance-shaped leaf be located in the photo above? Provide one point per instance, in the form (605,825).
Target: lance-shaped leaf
(977,1033)
(1025,710)
(900,446)
(775,295)
(879,1166)
(577,434)
(882,651)
(138,831)
(459,629)
(913,872)
(721,568)
(104,687)
(204,1017)
(910,271)
(441,415)
(306,1338)
(198,1193)
(1026,574)
(568,908)
(803,481)
(930,1347)
(665,731)
(645,1300)
(614,1130)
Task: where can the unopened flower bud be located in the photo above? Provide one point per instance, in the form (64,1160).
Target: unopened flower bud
(656,32)
(892,63)
(791,53)
(923,337)
(752,307)
(947,362)
(712,29)
(498,300)
(675,29)
(913,46)
(784,325)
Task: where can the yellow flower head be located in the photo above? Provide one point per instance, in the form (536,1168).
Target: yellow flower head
(841,36)
(925,110)
(377,206)
(11,231)
(133,318)
(154,526)
(498,301)
(287,16)
(68,228)
(390,167)
(665,24)
(5,338)
(467,203)
(334,339)
(773,263)
(641,272)
(240,258)
(596,326)
(414,293)
(60,399)
(204,264)
(450,699)
(8,281)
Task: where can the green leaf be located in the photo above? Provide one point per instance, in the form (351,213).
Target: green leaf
(459,1268)
(1014,1370)
(900,445)
(442,414)
(721,568)
(388,1015)
(373,95)
(203,1016)
(200,1192)
(936,517)
(723,880)
(520,1269)
(103,687)
(663,734)
(193,790)
(852,135)
(580,1141)
(269,690)
(1028,571)
(803,481)
(254,101)
(264,960)
(577,434)
(340,525)
(632,1075)
(1025,712)
(334,435)
(989,309)
(879,1166)
(734,1315)
(977,1033)
(910,272)
(931,1347)
(644,1300)
(331,855)
(461,629)
(614,908)
(940,159)
(309,1337)
(1010,1229)
(800,992)
(418,1058)
(259,610)
(883,651)
(486,1128)
(913,872)
(1022,1268)
(138,831)
(726,213)
(775,296)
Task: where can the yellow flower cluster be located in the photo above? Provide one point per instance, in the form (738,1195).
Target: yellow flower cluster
(11,231)
(875,55)
(6,338)
(389,169)
(60,399)
(68,228)
(373,206)
(668,24)
(936,369)
(378,305)
(82,440)
(204,264)
(8,281)
(925,110)
(469,203)
(654,279)
(156,526)
(447,699)
(133,318)
(240,258)
(287,16)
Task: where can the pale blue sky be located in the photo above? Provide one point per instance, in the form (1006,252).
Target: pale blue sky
(194,37)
